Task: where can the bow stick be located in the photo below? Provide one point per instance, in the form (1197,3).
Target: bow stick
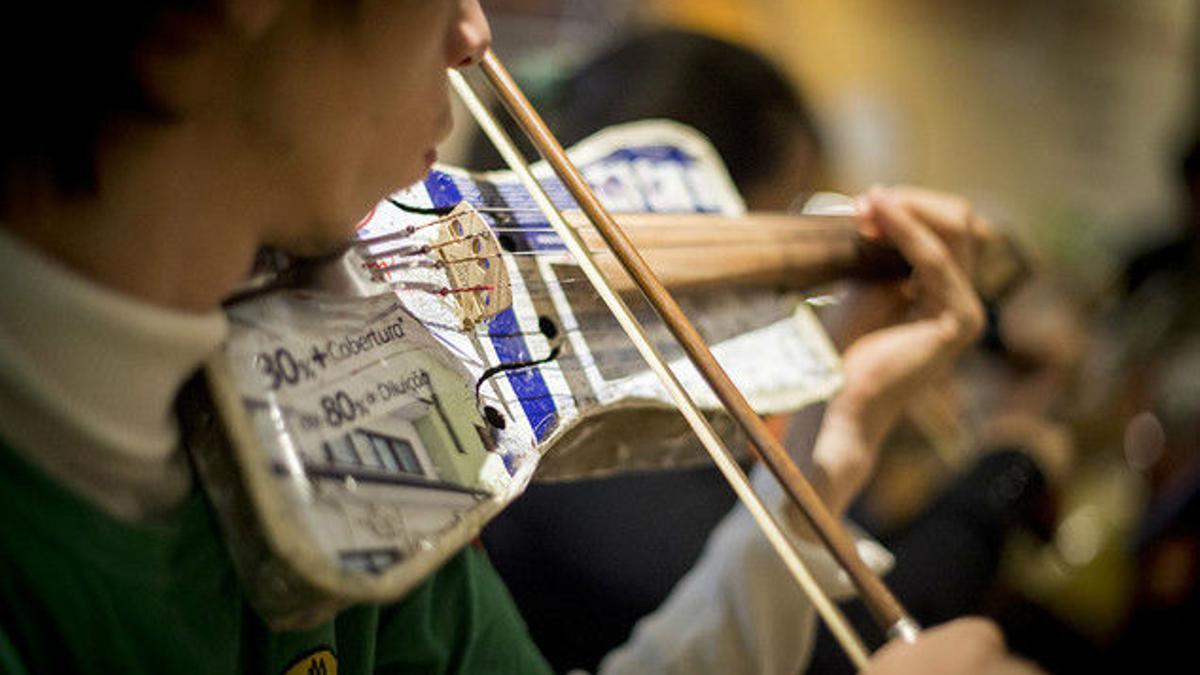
(886,609)
(724,459)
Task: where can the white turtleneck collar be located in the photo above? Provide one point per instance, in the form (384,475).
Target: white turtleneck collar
(88,378)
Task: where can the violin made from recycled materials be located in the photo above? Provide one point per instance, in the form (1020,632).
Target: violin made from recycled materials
(372,411)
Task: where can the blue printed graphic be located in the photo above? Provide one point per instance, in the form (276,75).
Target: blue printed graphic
(505,334)
(530,387)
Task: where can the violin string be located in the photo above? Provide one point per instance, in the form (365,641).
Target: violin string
(378,264)
(535,291)
(401,233)
(410,230)
(776,233)
(412,257)
(421,249)
(812,230)
(603,349)
(426,249)
(599,336)
(426,263)
(618,355)
(806,231)
(558,357)
(604,354)
(436,289)
(507,209)
(534,286)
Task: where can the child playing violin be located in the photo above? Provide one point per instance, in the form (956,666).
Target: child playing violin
(143,167)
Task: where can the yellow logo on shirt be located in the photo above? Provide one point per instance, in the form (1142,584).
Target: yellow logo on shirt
(319,662)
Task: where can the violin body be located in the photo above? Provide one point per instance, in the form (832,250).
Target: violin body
(369,423)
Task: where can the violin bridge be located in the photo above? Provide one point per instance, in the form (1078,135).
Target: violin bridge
(470,254)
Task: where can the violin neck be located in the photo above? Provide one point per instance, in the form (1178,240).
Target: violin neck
(766,250)
(778,250)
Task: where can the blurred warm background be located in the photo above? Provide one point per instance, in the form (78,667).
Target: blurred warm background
(1068,113)
(1067,121)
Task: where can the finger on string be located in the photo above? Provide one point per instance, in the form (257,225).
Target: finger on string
(953,217)
(867,226)
(946,213)
(943,281)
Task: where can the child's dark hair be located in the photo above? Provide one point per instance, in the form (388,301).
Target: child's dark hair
(69,71)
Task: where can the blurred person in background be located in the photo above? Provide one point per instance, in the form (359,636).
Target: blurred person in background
(1151,308)
(1166,543)
(1172,265)
(1145,409)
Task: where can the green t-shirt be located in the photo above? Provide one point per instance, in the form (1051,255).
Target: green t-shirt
(82,592)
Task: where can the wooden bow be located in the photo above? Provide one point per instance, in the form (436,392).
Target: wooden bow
(887,610)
